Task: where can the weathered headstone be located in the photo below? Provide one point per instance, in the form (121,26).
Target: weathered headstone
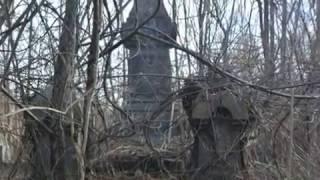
(149,64)
(219,120)
(44,143)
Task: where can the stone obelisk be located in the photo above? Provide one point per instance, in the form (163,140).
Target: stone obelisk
(149,64)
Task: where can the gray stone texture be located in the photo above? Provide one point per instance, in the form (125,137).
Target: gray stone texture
(149,64)
(219,120)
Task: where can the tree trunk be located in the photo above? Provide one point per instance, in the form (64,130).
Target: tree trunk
(283,43)
(201,15)
(91,82)
(265,35)
(64,154)
(272,34)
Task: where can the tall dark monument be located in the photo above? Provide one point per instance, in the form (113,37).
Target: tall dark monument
(149,64)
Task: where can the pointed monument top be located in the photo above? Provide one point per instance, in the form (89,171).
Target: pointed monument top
(141,11)
(145,8)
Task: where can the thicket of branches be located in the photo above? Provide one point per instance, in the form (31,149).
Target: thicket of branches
(269,47)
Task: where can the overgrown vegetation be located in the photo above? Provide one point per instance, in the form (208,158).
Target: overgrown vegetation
(266,50)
